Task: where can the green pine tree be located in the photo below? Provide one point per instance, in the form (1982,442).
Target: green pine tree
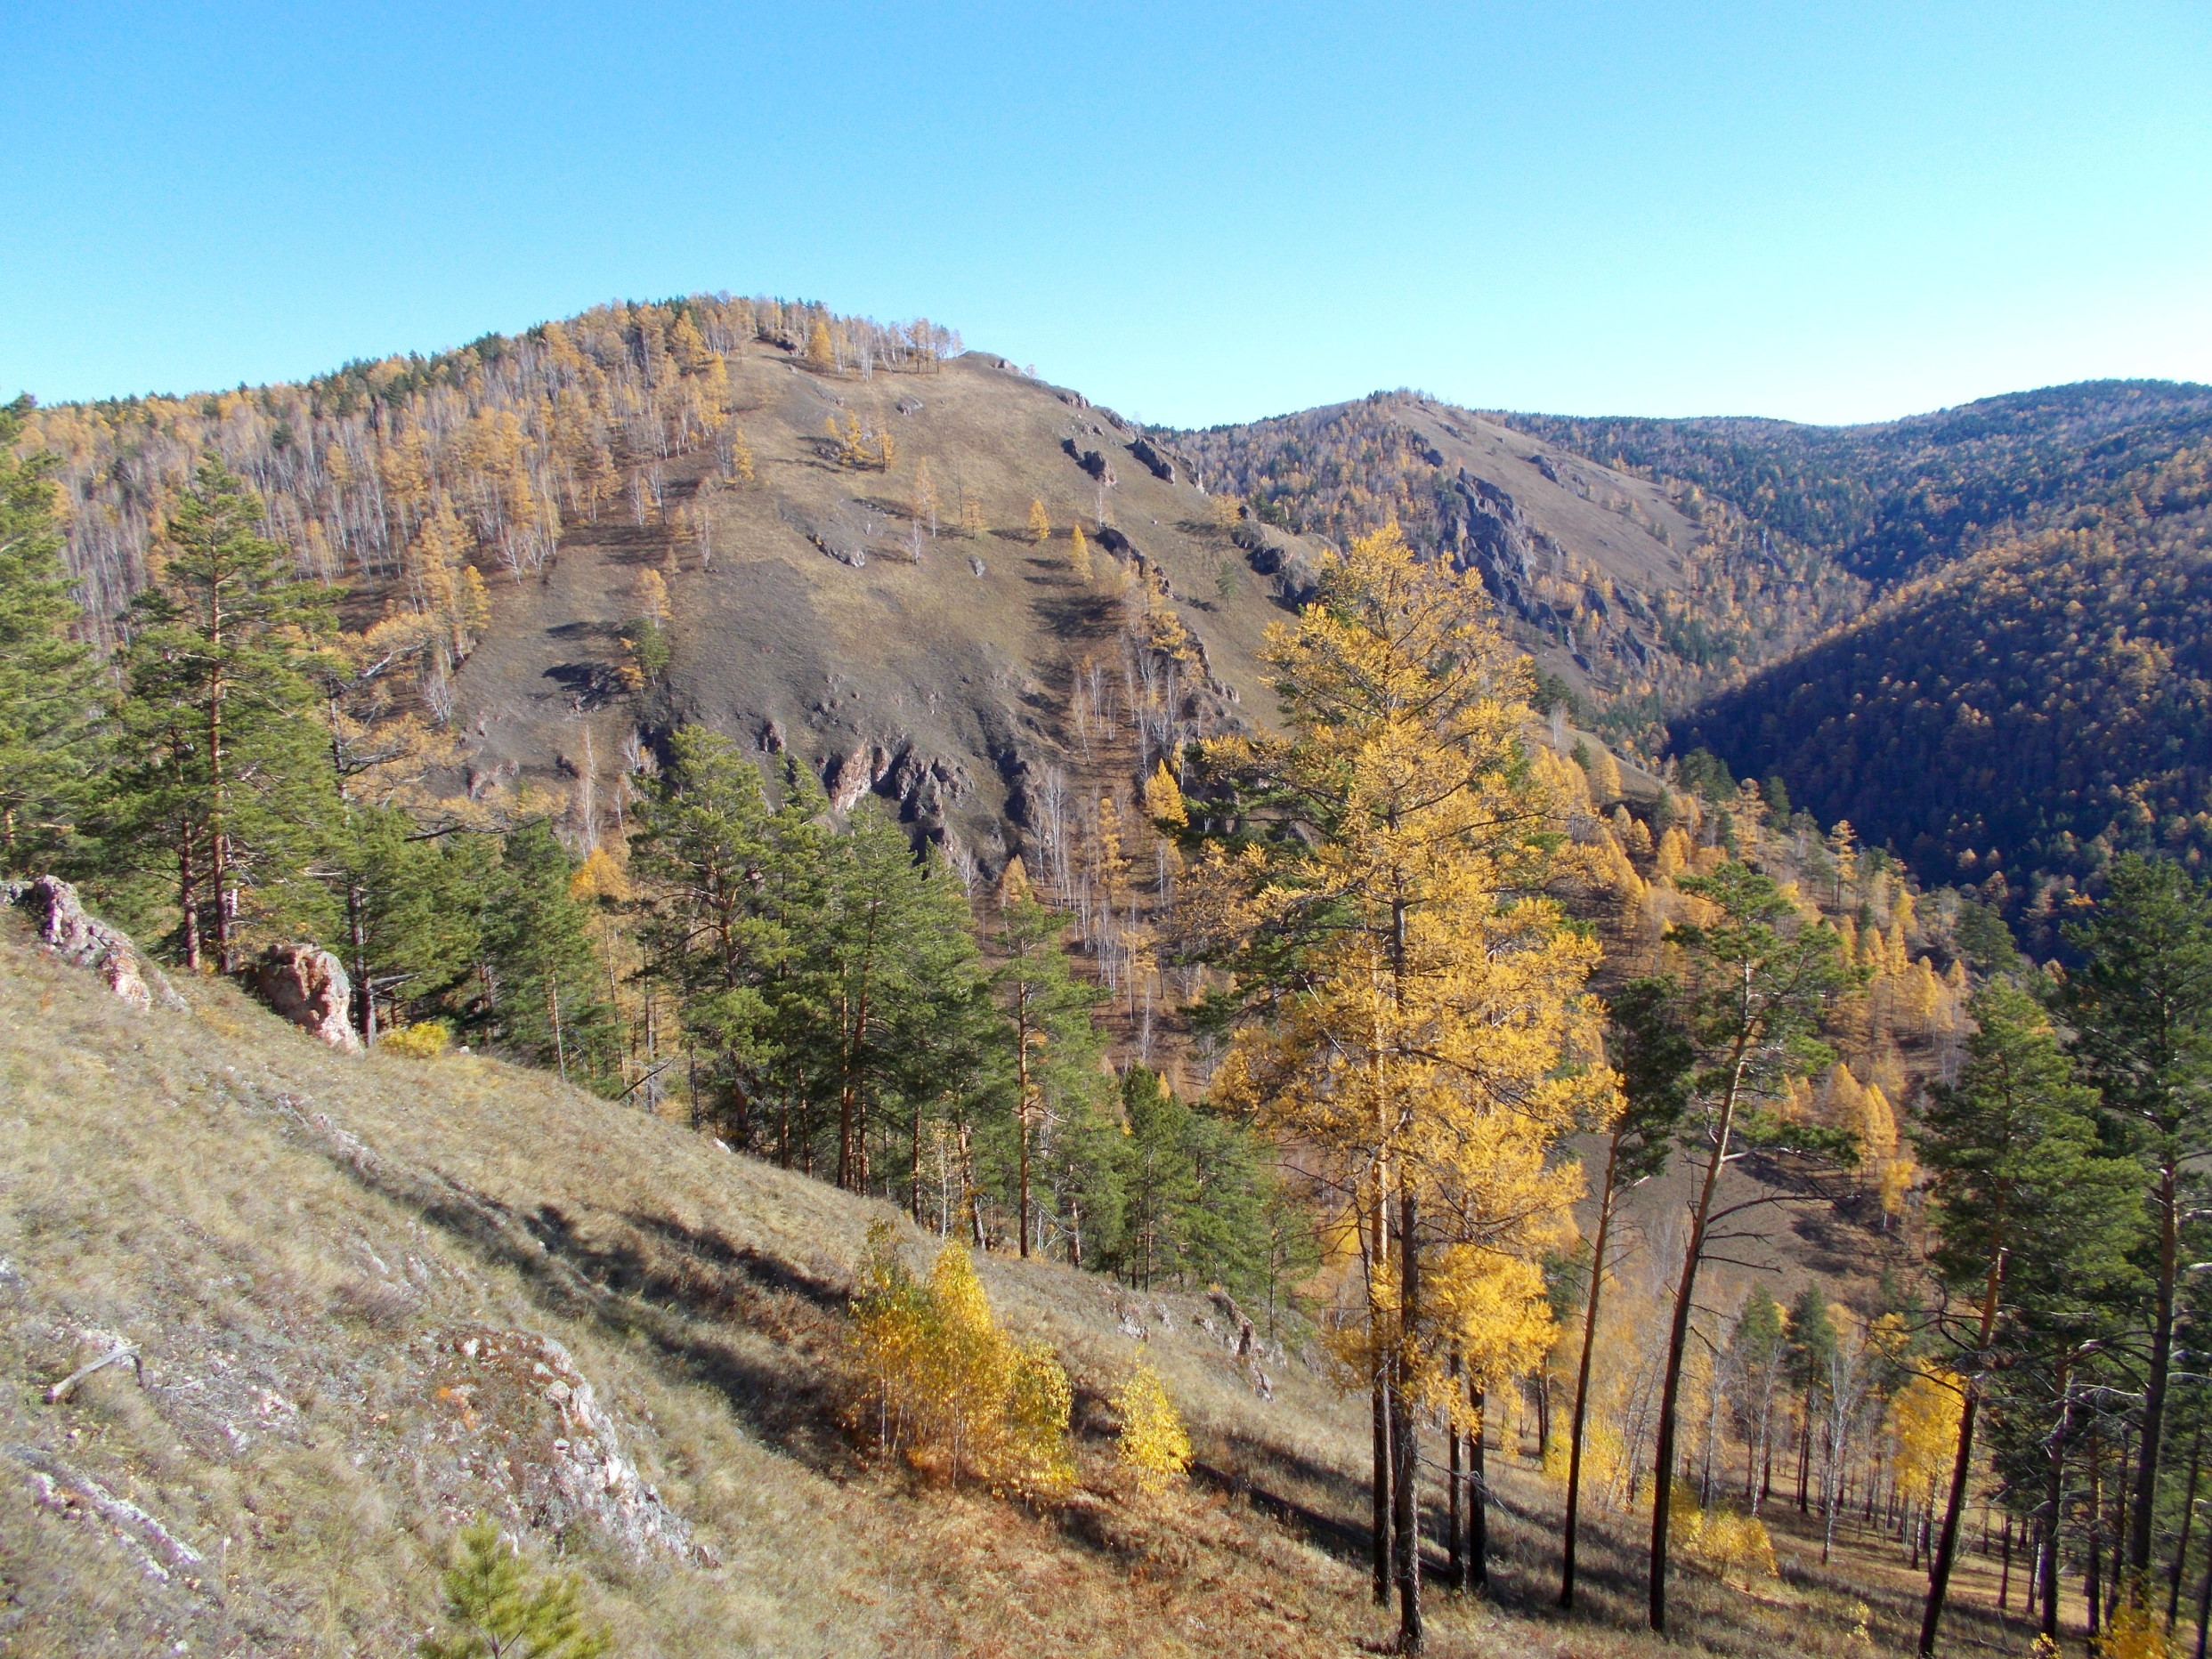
(1159,1179)
(497,1608)
(717,891)
(410,907)
(227,780)
(2142,1002)
(1052,1049)
(541,975)
(2024,1193)
(50,690)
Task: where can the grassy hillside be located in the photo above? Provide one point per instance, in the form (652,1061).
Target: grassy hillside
(369,1296)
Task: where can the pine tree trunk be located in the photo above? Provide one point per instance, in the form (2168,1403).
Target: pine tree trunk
(2092,1580)
(2055,1503)
(2188,1515)
(1380,1484)
(1804,1450)
(219,834)
(913,1167)
(2204,1602)
(2155,1384)
(188,901)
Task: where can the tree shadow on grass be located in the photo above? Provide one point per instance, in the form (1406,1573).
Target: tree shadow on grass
(692,1296)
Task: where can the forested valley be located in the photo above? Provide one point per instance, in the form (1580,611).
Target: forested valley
(1704,1163)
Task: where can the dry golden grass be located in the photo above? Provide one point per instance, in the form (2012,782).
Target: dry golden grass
(355,1282)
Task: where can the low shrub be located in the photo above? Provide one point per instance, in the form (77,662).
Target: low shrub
(943,1384)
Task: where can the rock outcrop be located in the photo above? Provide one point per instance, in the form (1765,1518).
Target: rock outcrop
(66,928)
(306,984)
(1155,460)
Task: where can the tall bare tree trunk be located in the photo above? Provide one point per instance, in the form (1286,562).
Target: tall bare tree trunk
(1022,1106)
(1582,1376)
(1455,1537)
(1678,1337)
(1405,1497)
(2188,1515)
(2054,1506)
(2156,1384)
(1962,1465)
(1479,1490)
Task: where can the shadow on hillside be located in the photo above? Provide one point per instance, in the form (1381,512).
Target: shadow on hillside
(1328,1508)
(696,1299)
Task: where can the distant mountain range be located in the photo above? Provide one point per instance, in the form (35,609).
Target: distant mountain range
(1979,634)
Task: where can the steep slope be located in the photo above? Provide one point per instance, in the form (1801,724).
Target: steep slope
(1636,592)
(371,1298)
(368,1298)
(815,612)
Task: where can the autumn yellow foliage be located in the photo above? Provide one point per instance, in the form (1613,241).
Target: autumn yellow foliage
(944,1386)
(1733,1548)
(2134,1632)
(425,1040)
(1153,1443)
(1924,1418)
(1438,1044)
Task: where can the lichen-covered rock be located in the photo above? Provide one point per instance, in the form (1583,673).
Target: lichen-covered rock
(525,1418)
(68,930)
(308,987)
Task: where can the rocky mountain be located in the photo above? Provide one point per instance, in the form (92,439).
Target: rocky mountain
(849,544)
(818,612)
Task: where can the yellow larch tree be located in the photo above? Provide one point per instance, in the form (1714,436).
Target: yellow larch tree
(1079,554)
(1040,524)
(1417,1008)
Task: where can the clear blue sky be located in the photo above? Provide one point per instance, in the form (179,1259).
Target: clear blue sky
(1195,213)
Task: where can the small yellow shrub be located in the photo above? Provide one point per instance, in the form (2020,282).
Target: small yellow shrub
(425,1040)
(942,1383)
(2135,1632)
(1152,1441)
(1733,1548)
